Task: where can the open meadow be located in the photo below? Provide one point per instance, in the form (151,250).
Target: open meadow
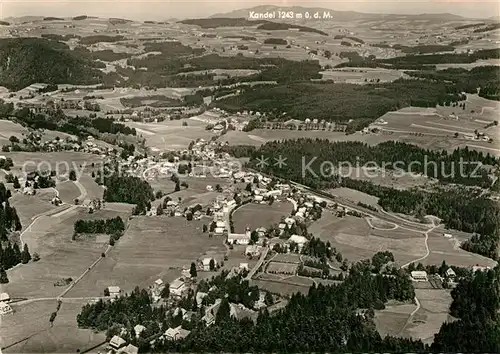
(151,248)
(356,240)
(448,249)
(28,329)
(260,215)
(59,162)
(60,257)
(445,122)
(362,75)
(432,314)
(171,134)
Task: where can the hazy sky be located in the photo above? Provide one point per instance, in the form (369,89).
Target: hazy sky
(164,9)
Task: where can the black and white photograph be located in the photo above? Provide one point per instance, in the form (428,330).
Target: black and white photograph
(251,176)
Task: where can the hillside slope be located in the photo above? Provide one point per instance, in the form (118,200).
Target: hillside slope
(341,16)
(24,61)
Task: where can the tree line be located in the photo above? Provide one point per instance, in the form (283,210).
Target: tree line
(291,99)
(476,305)
(458,166)
(10,253)
(127,189)
(100,226)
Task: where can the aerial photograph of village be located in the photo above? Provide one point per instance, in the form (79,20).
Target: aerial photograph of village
(271,177)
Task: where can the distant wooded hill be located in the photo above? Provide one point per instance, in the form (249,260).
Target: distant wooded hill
(24,61)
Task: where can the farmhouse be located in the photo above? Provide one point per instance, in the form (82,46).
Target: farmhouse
(5,308)
(114,291)
(450,273)
(261,231)
(273,193)
(116,343)
(157,288)
(479,268)
(299,240)
(239,239)
(219,231)
(419,275)
(253,251)
(177,287)
(206,263)
(210,313)
(244,266)
(199,298)
(138,329)
(129,349)
(176,333)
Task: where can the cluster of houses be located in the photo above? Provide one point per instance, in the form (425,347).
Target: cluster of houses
(178,288)
(308,124)
(450,276)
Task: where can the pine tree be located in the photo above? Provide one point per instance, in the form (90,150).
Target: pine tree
(17,253)
(25,255)
(17,185)
(193,271)
(224,312)
(3,276)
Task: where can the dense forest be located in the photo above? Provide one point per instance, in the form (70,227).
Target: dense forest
(419,62)
(56,120)
(100,226)
(10,253)
(24,61)
(339,102)
(276,41)
(476,304)
(127,189)
(100,38)
(456,167)
(484,77)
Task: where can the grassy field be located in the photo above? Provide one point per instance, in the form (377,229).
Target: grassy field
(434,124)
(257,215)
(359,75)
(392,319)
(170,135)
(432,314)
(354,195)
(60,162)
(30,328)
(50,237)
(8,129)
(355,239)
(68,191)
(447,249)
(92,189)
(152,247)
(282,268)
(28,207)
